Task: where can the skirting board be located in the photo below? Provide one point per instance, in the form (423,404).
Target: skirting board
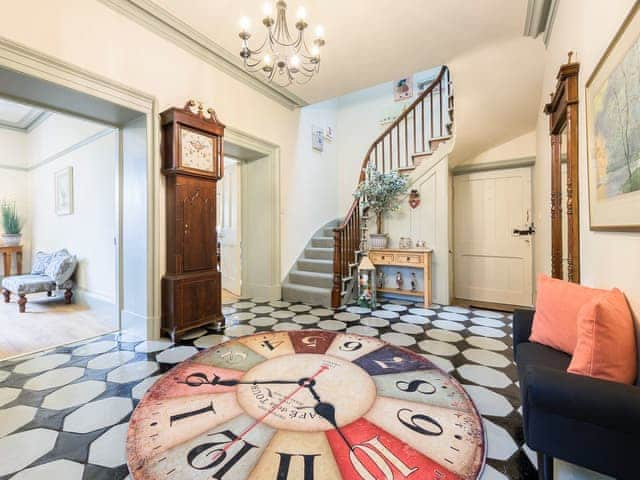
(253,290)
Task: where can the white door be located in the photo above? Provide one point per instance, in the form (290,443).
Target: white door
(229,230)
(491,262)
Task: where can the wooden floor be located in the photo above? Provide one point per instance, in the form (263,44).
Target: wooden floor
(47,323)
(228,297)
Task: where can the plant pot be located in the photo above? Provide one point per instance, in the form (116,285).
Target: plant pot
(11,239)
(378,240)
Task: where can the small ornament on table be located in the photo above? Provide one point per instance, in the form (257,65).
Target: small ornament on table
(381,279)
(366,283)
(414,198)
(414,282)
(399,280)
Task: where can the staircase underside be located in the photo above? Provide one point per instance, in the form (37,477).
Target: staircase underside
(311,279)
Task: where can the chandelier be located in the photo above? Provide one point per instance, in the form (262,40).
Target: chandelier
(281,58)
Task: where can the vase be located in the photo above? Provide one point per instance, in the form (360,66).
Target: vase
(11,239)
(378,240)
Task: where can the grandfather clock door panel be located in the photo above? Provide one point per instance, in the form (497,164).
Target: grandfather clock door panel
(192,163)
(196,209)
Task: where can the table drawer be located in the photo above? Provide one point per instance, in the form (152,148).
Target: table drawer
(409,259)
(382,258)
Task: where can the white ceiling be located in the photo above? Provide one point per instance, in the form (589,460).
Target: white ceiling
(17,116)
(368,41)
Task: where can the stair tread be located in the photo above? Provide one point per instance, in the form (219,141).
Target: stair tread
(316,260)
(298,286)
(320,248)
(312,274)
(322,237)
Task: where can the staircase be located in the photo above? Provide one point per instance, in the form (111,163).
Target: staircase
(413,136)
(325,272)
(311,279)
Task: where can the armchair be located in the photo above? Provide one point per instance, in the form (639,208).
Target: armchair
(586,421)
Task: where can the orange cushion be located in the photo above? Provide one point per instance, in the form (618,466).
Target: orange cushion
(606,346)
(555,322)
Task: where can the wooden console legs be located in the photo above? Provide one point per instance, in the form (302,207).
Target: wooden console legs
(67,296)
(7,295)
(22,303)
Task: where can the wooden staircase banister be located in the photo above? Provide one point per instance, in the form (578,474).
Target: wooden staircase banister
(347,235)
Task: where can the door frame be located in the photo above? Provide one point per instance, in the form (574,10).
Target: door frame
(270,153)
(511,164)
(27,61)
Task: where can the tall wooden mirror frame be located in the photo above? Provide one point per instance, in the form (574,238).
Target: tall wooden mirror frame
(563,115)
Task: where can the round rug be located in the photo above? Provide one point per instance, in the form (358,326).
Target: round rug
(307,404)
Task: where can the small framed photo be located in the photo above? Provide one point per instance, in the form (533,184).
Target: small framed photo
(64,191)
(328,134)
(403,88)
(317,138)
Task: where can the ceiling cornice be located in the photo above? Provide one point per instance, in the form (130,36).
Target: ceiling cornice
(28,124)
(158,20)
(539,19)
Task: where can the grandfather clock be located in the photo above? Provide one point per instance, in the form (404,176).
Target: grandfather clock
(192,163)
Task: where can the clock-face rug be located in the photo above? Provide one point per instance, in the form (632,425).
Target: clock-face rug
(306,405)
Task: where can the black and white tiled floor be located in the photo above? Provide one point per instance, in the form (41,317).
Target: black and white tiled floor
(64,413)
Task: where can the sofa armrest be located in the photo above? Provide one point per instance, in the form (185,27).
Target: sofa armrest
(522,322)
(591,400)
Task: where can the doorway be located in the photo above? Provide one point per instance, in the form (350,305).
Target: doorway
(230,227)
(492,237)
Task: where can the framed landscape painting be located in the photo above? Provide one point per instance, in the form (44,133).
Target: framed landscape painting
(613,132)
(64,191)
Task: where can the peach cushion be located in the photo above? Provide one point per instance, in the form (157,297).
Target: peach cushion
(555,323)
(606,346)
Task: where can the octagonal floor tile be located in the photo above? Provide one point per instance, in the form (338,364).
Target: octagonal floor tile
(487,331)
(54,378)
(177,354)
(210,340)
(132,372)
(94,348)
(306,319)
(109,449)
(286,326)
(74,395)
(23,448)
(408,328)
(41,364)
(8,394)
(486,357)
(347,316)
(399,339)
(151,346)
(11,419)
(414,319)
(374,322)
(444,335)
(110,360)
(441,363)
(99,414)
(140,389)
(490,473)
(489,402)
(238,331)
(448,325)
(62,469)
(438,348)
(485,376)
(364,331)
(300,308)
(453,317)
(332,325)
(500,444)
(487,343)
(384,314)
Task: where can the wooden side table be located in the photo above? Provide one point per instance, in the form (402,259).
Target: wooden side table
(419,258)
(7,252)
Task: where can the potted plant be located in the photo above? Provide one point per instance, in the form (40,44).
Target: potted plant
(11,223)
(381,193)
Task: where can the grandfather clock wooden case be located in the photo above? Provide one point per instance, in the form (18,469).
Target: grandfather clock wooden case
(192,163)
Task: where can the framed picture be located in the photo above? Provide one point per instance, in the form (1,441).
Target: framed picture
(329,134)
(317,138)
(613,132)
(64,191)
(403,88)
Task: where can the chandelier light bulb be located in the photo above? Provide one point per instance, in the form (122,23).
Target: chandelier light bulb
(295,61)
(315,51)
(267,9)
(268,60)
(319,31)
(302,14)
(245,24)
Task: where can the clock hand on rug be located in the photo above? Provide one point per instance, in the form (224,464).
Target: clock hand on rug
(197,379)
(327,411)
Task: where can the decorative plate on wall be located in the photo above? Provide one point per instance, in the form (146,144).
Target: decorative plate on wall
(308,405)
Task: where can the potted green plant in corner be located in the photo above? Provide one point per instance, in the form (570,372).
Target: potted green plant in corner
(381,192)
(11,223)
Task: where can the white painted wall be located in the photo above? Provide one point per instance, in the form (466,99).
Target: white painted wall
(608,259)
(141,59)
(13,148)
(88,233)
(523,146)
(358,125)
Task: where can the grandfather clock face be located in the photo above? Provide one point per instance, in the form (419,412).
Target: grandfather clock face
(197,150)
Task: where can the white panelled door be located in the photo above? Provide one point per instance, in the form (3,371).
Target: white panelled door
(229,230)
(491,262)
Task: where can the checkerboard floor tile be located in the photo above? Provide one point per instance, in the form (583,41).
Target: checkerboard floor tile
(64,412)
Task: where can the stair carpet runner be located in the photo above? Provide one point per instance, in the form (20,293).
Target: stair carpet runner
(311,280)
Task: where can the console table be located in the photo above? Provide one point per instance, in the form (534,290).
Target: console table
(419,258)
(7,253)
